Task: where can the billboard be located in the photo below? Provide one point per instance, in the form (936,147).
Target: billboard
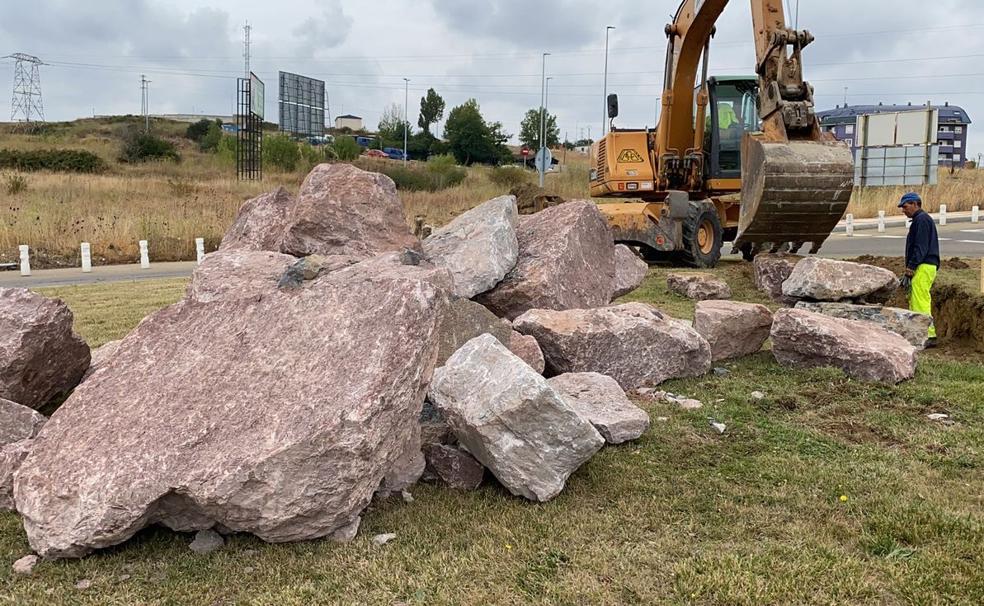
(897,148)
(302,105)
(257,91)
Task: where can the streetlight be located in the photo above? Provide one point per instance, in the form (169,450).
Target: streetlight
(406,121)
(543,102)
(604,119)
(546,111)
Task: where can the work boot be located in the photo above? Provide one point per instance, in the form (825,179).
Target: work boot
(931,343)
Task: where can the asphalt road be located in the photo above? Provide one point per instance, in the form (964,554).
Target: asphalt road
(956,240)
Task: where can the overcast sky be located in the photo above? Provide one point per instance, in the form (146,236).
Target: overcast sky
(892,51)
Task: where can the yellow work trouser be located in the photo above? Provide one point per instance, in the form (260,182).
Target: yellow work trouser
(919,297)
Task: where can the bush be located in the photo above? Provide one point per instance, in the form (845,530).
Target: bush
(14,184)
(210,140)
(197,131)
(63,160)
(139,146)
(435,175)
(280,152)
(312,155)
(445,171)
(346,149)
(226,149)
(509,176)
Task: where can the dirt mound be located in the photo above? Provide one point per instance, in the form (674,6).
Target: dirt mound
(897,264)
(959,314)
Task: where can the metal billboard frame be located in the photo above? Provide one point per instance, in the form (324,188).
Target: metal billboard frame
(249,136)
(897,148)
(302,105)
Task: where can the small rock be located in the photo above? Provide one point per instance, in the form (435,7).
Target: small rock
(25,565)
(83,584)
(206,541)
(662,419)
(721,372)
(630,271)
(347,533)
(407,497)
(688,403)
(757,395)
(720,427)
(699,287)
(381,539)
(937,416)
(123,578)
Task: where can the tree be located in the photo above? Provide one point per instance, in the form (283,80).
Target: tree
(471,139)
(391,125)
(346,149)
(583,142)
(529,130)
(431,110)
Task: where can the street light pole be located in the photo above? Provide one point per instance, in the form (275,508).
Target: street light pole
(543,102)
(406,120)
(604,119)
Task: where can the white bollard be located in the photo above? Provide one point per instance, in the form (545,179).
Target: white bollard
(975,214)
(881,221)
(25,259)
(144,255)
(86,258)
(200,249)
(942,214)
(850,224)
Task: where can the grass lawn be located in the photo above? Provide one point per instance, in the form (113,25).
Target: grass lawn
(827,491)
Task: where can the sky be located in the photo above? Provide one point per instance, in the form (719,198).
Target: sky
(893,51)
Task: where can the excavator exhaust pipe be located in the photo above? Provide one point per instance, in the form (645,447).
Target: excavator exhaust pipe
(793,192)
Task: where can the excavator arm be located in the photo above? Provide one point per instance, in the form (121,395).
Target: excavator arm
(796,180)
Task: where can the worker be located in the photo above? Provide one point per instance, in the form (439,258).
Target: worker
(922,258)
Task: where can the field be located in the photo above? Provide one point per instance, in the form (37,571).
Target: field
(170,205)
(826,491)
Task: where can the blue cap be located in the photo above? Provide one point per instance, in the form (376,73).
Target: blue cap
(910,197)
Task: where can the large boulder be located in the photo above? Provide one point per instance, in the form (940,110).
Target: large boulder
(566,261)
(478,247)
(511,420)
(279,415)
(818,279)
(100,356)
(18,422)
(466,320)
(238,273)
(601,401)
(11,457)
(634,343)
(630,271)
(699,287)
(911,325)
(863,350)
(343,210)
(41,358)
(527,349)
(260,223)
(771,270)
(732,329)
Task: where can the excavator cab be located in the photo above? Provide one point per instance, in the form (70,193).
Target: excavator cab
(732,112)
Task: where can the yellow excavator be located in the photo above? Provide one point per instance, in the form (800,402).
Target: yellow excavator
(739,159)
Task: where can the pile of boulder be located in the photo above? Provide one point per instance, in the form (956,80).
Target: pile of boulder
(838,318)
(324,356)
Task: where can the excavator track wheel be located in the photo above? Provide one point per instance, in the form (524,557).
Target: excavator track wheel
(702,235)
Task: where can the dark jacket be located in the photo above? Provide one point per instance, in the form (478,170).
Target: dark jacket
(922,245)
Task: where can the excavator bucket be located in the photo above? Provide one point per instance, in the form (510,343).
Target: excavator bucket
(793,192)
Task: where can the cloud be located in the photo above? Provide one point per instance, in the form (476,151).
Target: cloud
(327,30)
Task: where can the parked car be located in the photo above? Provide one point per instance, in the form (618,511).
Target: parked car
(394,153)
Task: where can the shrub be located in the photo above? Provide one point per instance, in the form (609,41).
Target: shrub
(197,131)
(312,155)
(14,184)
(509,176)
(435,175)
(210,140)
(280,152)
(63,160)
(139,146)
(346,149)
(445,171)
(226,149)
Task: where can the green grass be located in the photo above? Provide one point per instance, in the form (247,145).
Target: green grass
(683,515)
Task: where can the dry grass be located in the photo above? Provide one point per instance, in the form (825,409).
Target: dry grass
(681,516)
(960,191)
